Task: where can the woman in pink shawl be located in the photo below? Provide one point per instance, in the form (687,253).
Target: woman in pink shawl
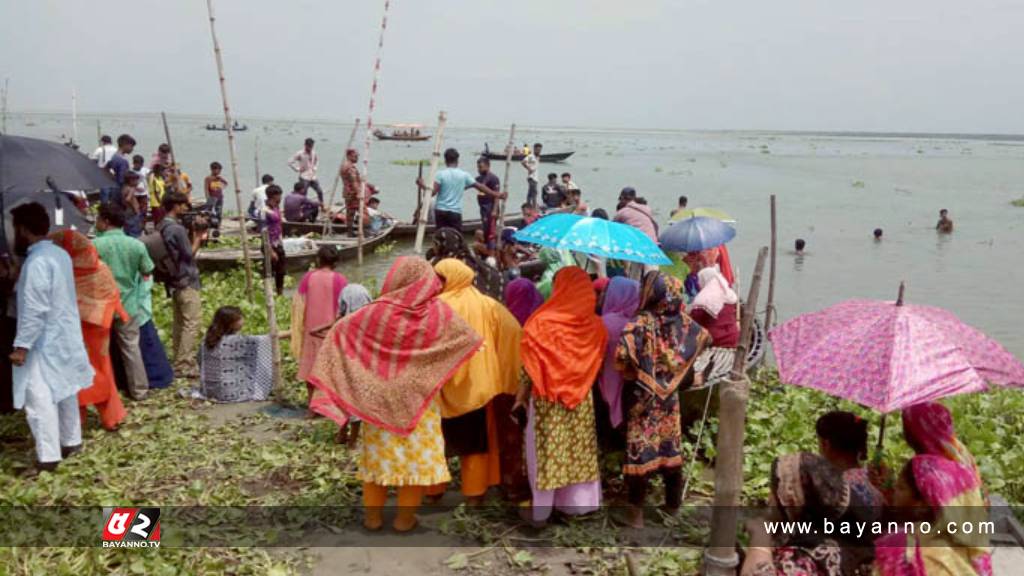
(928,428)
(937,490)
(314,307)
(621,300)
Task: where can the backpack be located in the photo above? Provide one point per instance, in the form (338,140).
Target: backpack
(165,265)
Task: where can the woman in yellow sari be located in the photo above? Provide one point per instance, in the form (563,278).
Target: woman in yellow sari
(477,401)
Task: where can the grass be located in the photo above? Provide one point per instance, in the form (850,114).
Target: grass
(410,162)
(1019,203)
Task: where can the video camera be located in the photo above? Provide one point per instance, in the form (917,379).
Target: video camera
(202,220)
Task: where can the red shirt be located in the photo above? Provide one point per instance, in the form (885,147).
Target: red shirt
(724,330)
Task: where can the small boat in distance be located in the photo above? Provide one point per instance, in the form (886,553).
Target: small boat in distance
(402,133)
(518,155)
(223,127)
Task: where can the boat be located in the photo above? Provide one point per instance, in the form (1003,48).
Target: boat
(408,230)
(402,133)
(518,156)
(300,253)
(223,127)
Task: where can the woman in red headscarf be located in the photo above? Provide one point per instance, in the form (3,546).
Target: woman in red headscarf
(98,301)
(562,351)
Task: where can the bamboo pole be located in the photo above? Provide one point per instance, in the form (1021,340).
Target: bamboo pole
(74,116)
(268,295)
(769,313)
(419,198)
(427,190)
(499,207)
(720,558)
(167,136)
(369,127)
(256,163)
(337,177)
(231,147)
(3,114)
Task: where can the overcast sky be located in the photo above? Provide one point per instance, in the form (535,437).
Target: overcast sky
(873,65)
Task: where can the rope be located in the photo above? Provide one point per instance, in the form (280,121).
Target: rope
(696,445)
(369,119)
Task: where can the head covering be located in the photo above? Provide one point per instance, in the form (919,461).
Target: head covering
(660,346)
(600,284)
(385,362)
(353,297)
(715,292)
(522,298)
(98,296)
(564,341)
(621,300)
(494,369)
(554,261)
(929,428)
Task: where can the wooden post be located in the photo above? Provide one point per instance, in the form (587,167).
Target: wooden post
(499,206)
(427,191)
(167,136)
(256,164)
(74,115)
(231,147)
(419,198)
(337,177)
(3,106)
(268,294)
(720,558)
(769,314)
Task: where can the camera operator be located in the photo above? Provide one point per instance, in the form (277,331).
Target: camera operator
(183,285)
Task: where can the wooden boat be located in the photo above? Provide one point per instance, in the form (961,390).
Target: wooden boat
(297,260)
(402,133)
(407,230)
(223,128)
(518,156)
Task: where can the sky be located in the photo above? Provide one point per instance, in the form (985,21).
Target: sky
(865,65)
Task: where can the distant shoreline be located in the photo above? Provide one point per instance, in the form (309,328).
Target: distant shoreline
(846,134)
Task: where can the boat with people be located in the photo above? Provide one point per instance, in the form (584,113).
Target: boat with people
(402,133)
(408,229)
(235,126)
(300,252)
(519,155)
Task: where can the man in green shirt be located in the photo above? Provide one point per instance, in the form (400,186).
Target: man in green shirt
(129,261)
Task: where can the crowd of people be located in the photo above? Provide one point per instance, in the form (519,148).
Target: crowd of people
(456,360)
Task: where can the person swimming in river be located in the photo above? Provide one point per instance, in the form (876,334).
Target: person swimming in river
(798,247)
(878,234)
(945,224)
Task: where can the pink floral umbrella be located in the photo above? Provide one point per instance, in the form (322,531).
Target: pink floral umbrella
(888,356)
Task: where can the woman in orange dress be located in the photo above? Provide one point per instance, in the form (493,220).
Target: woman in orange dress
(98,301)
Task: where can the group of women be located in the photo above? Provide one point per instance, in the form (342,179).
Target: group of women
(939,485)
(513,383)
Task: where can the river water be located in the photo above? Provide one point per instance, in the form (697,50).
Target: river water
(832,190)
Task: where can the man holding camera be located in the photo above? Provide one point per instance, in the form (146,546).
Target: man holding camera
(183,282)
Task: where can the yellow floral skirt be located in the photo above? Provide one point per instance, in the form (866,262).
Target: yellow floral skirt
(413,460)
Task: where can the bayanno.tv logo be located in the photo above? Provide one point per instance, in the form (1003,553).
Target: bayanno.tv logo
(131,527)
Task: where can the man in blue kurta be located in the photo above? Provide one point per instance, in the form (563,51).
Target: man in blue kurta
(50,361)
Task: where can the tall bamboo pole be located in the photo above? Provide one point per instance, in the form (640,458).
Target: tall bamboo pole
(769,314)
(3,114)
(337,177)
(167,136)
(427,191)
(720,558)
(369,127)
(231,147)
(256,163)
(499,206)
(74,116)
(268,295)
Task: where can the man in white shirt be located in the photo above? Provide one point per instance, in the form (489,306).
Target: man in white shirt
(105,152)
(305,162)
(532,163)
(259,198)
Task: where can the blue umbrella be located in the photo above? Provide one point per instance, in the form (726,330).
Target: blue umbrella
(696,234)
(593,236)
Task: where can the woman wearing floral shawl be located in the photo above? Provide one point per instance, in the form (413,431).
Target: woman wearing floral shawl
(655,353)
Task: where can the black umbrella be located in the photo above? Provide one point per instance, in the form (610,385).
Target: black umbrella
(31,165)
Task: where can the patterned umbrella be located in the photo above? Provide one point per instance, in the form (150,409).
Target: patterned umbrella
(888,356)
(696,234)
(593,236)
